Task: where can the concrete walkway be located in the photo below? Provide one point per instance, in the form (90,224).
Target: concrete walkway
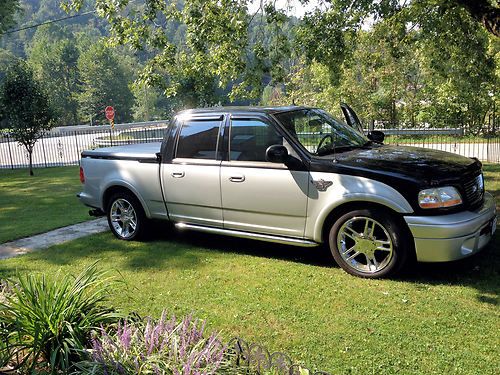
(54,237)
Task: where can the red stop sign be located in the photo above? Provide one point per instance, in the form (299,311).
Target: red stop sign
(110,112)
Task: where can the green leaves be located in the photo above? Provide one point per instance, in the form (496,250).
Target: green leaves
(197,49)
(47,322)
(7,12)
(400,62)
(53,54)
(104,81)
(25,106)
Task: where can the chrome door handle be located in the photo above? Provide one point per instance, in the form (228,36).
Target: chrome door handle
(240,178)
(177,174)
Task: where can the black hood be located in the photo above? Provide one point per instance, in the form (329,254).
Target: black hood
(407,169)
(424,164)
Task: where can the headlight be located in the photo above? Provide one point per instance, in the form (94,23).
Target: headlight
(439,197)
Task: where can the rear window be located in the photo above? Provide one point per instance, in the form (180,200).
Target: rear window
(198,139)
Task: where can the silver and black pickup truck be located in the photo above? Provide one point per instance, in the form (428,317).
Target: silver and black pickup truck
(298,176)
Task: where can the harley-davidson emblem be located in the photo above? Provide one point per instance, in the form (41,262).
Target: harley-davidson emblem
(322,185)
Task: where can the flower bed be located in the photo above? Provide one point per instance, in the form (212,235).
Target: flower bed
(63,326)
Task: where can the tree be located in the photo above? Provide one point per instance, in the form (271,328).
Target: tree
(103,81)
(53,54)
(7,12)
(197,48)
(150,104)
(26,107)
(459,71)
(484,11)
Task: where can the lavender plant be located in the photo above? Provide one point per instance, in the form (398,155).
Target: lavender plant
(165,346)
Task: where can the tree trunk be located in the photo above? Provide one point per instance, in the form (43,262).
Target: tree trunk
(393,113)
(30,152)
(484,12)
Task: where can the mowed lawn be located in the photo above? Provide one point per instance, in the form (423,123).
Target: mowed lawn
(35,204)
(440,318)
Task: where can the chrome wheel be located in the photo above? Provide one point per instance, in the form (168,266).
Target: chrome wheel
(365,245)
(123,218)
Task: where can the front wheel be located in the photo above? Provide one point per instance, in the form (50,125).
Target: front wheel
(369,243)
(126,216)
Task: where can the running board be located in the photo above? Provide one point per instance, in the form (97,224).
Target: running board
(252,236)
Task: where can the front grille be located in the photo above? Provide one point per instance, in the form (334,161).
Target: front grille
(474,191)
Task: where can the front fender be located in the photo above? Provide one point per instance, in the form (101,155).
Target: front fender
(347,189)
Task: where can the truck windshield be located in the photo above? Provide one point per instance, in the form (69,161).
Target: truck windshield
(319,132)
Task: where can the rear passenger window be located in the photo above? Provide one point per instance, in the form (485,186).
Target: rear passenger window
(198,140)
(250,139)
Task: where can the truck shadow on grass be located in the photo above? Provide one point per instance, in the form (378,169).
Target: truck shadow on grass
(318,257)
(167,248)
(480,271)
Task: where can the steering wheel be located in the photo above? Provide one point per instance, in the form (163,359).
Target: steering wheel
(323,140)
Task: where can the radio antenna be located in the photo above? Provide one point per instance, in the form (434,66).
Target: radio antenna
(334,138)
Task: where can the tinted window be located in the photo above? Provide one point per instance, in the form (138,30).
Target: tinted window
(251,138)
(198,140)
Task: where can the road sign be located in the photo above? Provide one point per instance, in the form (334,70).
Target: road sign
(110,112)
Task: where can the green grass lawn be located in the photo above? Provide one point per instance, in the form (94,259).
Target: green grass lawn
(31,205)
(440,318)
(492,181)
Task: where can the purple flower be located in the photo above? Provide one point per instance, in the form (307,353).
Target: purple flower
(163,346)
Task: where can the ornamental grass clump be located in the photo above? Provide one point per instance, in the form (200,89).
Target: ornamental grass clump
(46,323)
(166,346)
(6,291)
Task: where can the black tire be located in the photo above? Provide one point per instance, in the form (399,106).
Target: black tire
(133,213)
(368,232)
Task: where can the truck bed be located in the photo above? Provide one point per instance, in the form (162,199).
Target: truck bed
(134,167)
(140,151)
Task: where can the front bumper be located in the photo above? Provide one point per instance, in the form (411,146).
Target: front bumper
(450,237)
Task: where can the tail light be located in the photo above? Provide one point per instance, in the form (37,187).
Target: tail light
(82,176)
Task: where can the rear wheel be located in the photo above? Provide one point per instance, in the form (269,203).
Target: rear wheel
(126,216)
(369,243)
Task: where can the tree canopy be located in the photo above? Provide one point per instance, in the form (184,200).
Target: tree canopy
(399,63)
(8,11)
(25,107)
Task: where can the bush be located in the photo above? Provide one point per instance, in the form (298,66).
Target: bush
(166,346)
(47,323)
(5,292)
(62,325)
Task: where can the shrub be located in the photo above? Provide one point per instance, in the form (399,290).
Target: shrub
(47,322)
(5,292)
(166,346)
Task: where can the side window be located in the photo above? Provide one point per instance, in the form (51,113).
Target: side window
(250,139)
(198,140)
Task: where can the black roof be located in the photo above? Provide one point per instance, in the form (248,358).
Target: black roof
(241,109)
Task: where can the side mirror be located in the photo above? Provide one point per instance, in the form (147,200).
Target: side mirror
(276,154)
(376,136)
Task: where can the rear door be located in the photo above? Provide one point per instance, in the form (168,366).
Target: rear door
(191,179)
(259,196)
